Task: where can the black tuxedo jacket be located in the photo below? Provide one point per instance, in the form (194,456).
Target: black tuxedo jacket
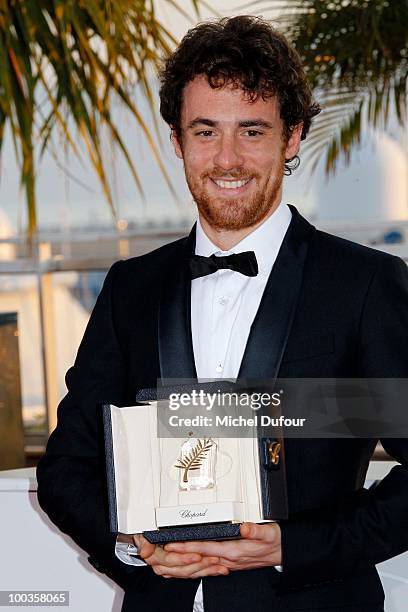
(331,308)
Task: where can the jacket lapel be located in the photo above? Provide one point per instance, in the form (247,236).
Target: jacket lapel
(271,327)
(175,340)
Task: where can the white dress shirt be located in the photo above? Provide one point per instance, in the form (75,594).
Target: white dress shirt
(224,304)
(223,308)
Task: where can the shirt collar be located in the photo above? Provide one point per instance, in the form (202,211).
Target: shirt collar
(265,240)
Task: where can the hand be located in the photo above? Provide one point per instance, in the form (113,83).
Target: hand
(260,546)
(178,565)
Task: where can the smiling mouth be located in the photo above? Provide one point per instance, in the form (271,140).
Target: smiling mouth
(231,184)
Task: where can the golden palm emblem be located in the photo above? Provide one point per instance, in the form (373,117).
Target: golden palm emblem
(194,459)
(274,450)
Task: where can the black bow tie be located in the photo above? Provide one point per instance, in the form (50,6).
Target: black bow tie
(245,263)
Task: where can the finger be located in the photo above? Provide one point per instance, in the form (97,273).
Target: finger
(239,565)
(186,571)
(146,549)
(167,559)
(213,570)
(252,531)
(208,548)
(181,560)
(249,531)
(139,540)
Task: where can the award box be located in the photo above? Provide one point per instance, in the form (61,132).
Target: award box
(178,489)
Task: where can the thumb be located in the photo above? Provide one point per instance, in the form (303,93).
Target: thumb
(249,531)
(252,531)
(146,549)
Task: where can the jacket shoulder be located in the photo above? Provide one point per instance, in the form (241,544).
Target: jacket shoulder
(349,252)
(157,255)
(148,263)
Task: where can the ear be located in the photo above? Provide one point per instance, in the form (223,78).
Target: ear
(293,144)
(176,142)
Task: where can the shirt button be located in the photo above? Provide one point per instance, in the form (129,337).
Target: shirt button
(223,300)
(219,368)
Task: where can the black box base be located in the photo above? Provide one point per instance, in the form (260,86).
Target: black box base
(217,531)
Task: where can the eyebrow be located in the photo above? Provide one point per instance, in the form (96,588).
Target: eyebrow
(202,121)
(245,123)
(255,123)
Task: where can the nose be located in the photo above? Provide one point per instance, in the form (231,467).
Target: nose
(228,155)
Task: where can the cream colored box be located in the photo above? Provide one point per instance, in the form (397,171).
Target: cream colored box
(146,482)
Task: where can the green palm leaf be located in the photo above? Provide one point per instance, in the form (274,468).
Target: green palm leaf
(63,64)
(355,54)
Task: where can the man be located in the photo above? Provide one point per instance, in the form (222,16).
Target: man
(236,99)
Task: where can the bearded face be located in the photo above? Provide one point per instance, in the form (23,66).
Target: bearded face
(233,150)
(235,200)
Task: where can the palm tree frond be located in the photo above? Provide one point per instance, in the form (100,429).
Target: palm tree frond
(359,48)
(78,57)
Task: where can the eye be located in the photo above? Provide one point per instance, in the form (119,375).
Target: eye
(205,133)
(253,133)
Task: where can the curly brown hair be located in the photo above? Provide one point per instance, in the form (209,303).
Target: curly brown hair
(246,51)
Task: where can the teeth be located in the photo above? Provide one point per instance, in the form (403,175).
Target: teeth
(231,184)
